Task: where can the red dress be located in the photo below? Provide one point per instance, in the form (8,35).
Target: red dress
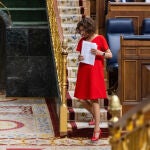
(90,79)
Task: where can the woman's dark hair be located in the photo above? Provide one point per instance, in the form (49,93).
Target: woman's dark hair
(88,24)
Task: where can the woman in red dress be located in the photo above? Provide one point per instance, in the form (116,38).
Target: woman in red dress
(90,85)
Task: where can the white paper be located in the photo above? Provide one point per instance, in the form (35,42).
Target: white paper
(89,58)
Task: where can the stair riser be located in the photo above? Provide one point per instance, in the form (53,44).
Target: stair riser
(72,62)
(76,103)
(72,3)
(69,30)
(70,19)
(72,85)
(85,117)
(69,10)
(72,73)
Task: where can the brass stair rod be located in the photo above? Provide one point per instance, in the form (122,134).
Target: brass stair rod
(63,107)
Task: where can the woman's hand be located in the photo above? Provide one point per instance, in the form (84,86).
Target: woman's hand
(80,58)
(96,52)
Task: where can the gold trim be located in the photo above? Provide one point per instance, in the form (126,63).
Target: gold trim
(60,56)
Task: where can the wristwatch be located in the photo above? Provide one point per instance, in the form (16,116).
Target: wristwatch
(103,54)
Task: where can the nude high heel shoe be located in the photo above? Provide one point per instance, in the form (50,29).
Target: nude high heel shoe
(96,135)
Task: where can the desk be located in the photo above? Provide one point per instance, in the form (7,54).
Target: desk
(134,10)
(134,69)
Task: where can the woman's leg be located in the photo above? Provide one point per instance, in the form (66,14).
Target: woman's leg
(87,105)
(96,112)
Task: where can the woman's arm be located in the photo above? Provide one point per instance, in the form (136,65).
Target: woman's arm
(106,54)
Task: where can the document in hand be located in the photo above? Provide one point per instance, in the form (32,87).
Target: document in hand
(89,58)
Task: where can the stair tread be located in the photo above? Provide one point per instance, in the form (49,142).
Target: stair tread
(70,15)
(68,0)
(71,68)
(68,25)
(83,110)
(81,125)
(69,7)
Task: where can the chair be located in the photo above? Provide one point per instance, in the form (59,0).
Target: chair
(115,27)
(146,26)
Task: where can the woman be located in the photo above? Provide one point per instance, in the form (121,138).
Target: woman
(90,85)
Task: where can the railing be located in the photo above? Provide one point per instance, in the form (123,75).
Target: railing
(132,131)
(60,55)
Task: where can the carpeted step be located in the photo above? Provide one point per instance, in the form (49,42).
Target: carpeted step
(70,19)
(69,10)
(68,28)
(81,114)
(71,39)
(71,84)
(71,48)
(81,125)
(72,3)
(72,61)
(82,129)
(75,103)
(72,72)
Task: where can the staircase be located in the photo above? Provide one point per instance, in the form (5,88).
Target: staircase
(71,12)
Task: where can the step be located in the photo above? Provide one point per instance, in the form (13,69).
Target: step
(70,37)
(72,61)
(72,48)
(75,103)
(69,10)
(71,83)
(81,114)
(81,125)
(72,3)
(69,19)
(68,28)
(72,72)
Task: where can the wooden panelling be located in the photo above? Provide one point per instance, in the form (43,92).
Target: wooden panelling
(145,78)
(134,71)
(130,78)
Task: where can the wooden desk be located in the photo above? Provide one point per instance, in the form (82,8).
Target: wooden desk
(134,10)
(134,69)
